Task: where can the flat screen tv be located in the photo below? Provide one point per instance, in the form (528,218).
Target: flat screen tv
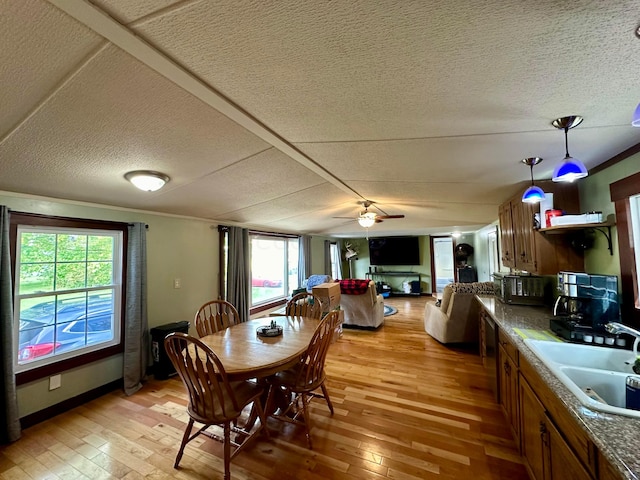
(394,251)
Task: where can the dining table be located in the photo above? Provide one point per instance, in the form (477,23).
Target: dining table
(245,354)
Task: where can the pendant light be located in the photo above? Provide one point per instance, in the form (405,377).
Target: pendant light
(533,194)
(571,168)
(636,117)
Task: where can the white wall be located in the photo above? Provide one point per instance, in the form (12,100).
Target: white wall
(177,247)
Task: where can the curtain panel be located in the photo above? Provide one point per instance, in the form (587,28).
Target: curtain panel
(9,420)
(304,258)
(239,271)
(137,351)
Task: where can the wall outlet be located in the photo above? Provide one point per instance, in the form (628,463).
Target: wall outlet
(177,283)
(55,382)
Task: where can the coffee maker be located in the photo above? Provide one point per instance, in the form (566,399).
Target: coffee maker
(584,305)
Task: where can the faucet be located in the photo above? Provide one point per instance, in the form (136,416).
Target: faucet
(617,328)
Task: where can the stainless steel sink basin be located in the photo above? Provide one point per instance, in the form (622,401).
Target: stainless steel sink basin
(595,375)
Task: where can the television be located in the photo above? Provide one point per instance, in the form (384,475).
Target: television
(394,251)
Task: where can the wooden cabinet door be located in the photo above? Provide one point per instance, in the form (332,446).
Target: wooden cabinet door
(508,372)
(532,431)
(506,235)
(563,464)
(523,234)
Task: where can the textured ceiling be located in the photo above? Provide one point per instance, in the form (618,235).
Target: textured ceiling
(283,115)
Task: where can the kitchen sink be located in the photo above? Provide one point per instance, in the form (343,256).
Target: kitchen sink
(596,375)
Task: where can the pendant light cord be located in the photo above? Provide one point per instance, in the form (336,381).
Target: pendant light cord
(566,142)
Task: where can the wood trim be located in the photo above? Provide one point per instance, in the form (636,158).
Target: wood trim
(49,412)
(628,275)
(625,188)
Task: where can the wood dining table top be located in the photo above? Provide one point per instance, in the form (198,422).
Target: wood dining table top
(245,354)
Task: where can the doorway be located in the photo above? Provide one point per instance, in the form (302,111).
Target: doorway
(442,264)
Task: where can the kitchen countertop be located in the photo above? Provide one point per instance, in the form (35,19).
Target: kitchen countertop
(616,436)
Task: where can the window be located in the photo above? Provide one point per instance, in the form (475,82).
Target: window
(68,292)
(634,205)
(274,267)
(335,258)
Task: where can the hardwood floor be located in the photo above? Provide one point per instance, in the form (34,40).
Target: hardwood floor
(406,408)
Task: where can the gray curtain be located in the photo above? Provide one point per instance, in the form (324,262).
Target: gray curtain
(327,258)
(9,420)
(137,354)
(239,271)
(338,260)
(304,258)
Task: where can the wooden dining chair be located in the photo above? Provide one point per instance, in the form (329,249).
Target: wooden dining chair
(299,383)
(214,316)
(304,305)
(213,399)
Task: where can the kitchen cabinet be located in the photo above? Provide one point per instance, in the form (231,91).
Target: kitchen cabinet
(525,248)
(508,383)
(547,455)
(506,235)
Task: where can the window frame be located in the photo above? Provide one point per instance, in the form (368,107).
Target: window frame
(39,220)
(621,192)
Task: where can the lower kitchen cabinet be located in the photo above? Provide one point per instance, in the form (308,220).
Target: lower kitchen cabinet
(508,382)
(547,455)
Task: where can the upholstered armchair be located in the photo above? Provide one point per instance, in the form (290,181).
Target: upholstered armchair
(362,305)
(456,319)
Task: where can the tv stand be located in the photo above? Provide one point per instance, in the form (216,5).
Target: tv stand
(381,275)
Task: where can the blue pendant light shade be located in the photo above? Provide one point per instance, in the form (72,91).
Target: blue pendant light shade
(636,117)
(533,194)
(571,168)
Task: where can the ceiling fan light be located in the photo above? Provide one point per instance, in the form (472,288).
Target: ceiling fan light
(533,194)
(367,219)
(147,180)
(569,170)
(636,117)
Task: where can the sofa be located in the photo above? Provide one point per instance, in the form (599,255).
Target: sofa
(456,319)
(362,305)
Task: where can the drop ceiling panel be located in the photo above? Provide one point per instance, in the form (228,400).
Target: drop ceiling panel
(304,210)
(422,69)
(127,11)
(488,159)
(40,46)
(117,115)
(264,177)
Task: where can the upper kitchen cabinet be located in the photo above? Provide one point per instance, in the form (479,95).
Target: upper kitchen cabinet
(524,248)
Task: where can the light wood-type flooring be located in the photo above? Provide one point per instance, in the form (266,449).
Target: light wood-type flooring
(406,407)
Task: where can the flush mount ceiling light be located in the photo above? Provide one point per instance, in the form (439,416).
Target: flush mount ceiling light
(533,194)
(147,180)
(367,219)
(571,168)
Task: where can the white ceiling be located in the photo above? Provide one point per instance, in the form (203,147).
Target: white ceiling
(281,115)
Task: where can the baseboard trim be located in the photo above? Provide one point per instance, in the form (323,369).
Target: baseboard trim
(49,412)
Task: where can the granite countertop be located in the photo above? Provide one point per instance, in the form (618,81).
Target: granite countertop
(616,436)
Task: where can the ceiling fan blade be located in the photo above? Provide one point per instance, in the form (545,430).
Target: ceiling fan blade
(385,217)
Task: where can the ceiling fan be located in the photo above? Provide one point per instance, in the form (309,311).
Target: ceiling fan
(367,218)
